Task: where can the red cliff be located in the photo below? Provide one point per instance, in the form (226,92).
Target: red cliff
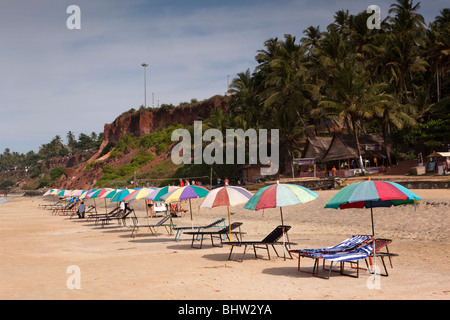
(144,121)
(139,123)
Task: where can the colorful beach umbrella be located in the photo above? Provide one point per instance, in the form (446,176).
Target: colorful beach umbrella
(280,195)
(186,193)
(110,194)
(227,196)
(121,194)
(48,193)
(64,193)
(158,193)
(76,193)
(90,193)
(98,192)
(370,194)
(139,194)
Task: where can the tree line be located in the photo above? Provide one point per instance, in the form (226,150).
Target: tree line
(394,81)
(55,148)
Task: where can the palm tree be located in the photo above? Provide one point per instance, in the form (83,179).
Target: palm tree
(246,105)
(392,113)
(352,98)
(403,45)
(438,48)
(286,81)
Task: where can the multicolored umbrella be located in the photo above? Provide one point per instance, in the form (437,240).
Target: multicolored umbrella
(139,194)
(369,194)
(49,192)
(121,194)
(280,195)
(184,193)
(76,193)
(64,193)
(158,193)
(110,194)
(226,197)
(98,193)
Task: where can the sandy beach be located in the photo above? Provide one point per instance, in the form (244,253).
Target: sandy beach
(38,249)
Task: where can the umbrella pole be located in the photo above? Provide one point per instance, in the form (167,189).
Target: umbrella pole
(373,242)
(229,225)
(284,239)
(190,209)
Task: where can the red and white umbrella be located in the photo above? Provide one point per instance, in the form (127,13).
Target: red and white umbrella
(226,197)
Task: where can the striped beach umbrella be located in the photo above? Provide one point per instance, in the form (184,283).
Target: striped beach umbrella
(227,196)
(139,194)
(185,193)
(371,194)
(121,194)
(158,193)
(280,195)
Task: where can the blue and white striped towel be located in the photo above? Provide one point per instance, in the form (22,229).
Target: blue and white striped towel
(346,245)
(353,255)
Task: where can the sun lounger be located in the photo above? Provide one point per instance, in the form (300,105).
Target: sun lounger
(120,217)
(346,245)
(51,206)
(216,234)
(352,256)
(379,245)
(344,249)
(67,207)
(272,239)
(215,224)
(99,216)
(165,222)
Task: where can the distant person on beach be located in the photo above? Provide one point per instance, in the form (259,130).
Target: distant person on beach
(81,210)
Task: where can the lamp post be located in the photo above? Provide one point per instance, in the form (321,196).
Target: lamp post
(145,82)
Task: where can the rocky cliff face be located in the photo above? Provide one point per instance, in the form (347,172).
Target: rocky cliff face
(139,123)
(144,121)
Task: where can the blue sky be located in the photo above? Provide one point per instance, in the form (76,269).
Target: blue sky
(54,80)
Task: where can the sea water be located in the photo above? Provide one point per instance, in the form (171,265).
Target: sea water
(3,200)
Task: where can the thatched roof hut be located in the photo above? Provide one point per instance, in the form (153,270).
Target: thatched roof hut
(316,147)
(343,147)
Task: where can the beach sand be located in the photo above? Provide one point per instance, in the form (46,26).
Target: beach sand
(37,248)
